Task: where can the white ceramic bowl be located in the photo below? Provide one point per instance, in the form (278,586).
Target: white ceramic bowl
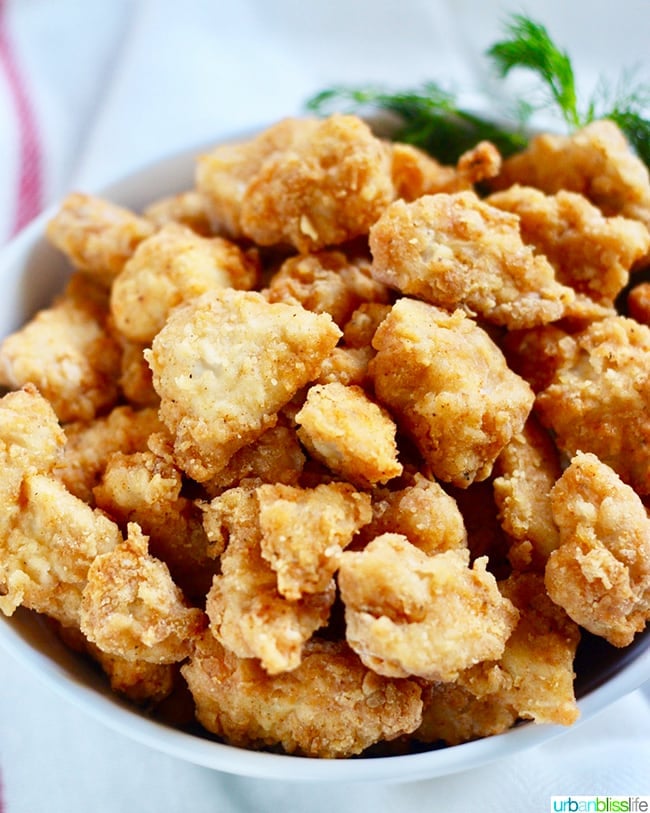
(31,272)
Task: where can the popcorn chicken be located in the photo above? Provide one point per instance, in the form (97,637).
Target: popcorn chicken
(359,330)
(528,468)
(350,434)
(303,532)
(589,252)
(449,388)
(97,236)
(309,183)
(136,379)
(599,398)
(408,613)
(456,251)
(224,365)
(638,303)
(169,268)
(247,612)
(600,574)
(326,282)
(330,707)
(188,208)
(67,352)
(347,366)
(131,608)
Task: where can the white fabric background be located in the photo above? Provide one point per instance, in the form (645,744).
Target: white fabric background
(113,84)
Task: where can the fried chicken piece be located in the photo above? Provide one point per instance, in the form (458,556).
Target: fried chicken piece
(97,236)
(188,208)
(448,386)
(596,162)
(143,488)
(305,530)
(247,612)
(638,303)
(225,364)
(90,444)
(422,511)
(326,282)
(456,251)
(347,366)
(360,328)
(599,398)
(589,252)
(600,574)
(131,608)
(136,379)
(68,353)
(528,468)
(307,182)
(329,707)
(408,613)
(171,267)
(353,436)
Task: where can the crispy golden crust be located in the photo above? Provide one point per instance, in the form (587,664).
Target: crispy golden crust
(188,208)
(599,397)
(448,386)
(456,251)
(429,616)
(224,365)
(330,707)
(600,574)
(638,303)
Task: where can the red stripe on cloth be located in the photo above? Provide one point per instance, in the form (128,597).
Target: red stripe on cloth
(29,194)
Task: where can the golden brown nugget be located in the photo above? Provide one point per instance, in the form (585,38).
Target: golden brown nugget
(347,366)
(247,612)
(359,330)
(448,386)
(456,251)
(536,354)
(67,351)
(146,489)
(225,364)
(326,282)
(188,208)
(596,161)
(169,268)
(305,530)
(600,574)
(131,608)
(97,236)
(422,511)
(589,252)
(638,303)
(599,398)
(90,444)
(136,379)
(408,613)
(527,469)
(330,707)
(350,434)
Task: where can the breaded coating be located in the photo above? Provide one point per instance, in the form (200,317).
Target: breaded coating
(448,386)
(136,379)
(359,330)
(589,252)
(347,366)
(247,612)
(353,436)
(456,251)
(536,354)
(188,208)
(408,613)
(638,303)
(97,236)
(90,444)
(422,511)
(330,707)
(596,161)
(600,574)
(68,353)
(309,183)
(143,488)
(326,282)
(527,469)
(225,364)
(599,399)
(304,531)
(131,608)
(416,173)
(171,267)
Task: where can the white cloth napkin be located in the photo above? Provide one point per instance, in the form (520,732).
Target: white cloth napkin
(90,91)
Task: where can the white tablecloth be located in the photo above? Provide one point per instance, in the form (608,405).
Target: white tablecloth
(91,90)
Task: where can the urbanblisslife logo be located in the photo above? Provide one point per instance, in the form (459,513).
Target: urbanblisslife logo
(600,804)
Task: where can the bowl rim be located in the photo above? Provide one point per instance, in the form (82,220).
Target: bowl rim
(57,668)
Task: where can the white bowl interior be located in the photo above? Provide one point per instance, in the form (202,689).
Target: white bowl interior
(32,272)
